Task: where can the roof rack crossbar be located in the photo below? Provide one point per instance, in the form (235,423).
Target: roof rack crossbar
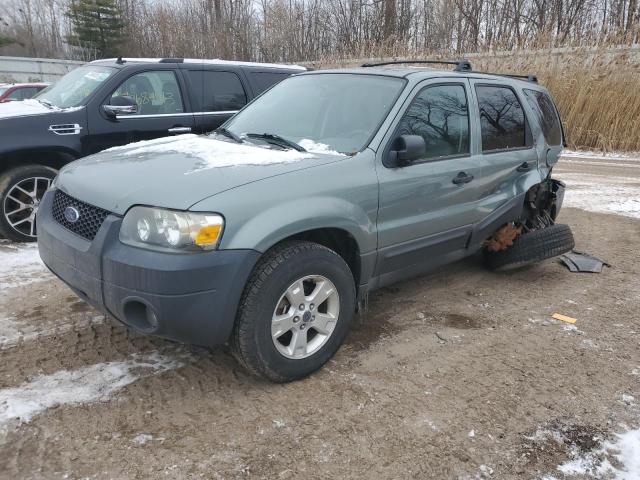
(461,65)
(528,78)
(171,60)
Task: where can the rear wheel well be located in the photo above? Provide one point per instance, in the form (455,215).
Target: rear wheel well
(51,158)
(338,240)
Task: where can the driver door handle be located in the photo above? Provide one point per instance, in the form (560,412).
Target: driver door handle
(179,130)
(462,178)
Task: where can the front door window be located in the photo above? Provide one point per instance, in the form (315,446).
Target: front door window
(156,93)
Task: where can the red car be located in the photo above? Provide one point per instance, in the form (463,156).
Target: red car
(19,91)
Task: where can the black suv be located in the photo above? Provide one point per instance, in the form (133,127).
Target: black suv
(107,103)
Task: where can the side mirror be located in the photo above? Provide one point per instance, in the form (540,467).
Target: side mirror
(405,149)
(120,106)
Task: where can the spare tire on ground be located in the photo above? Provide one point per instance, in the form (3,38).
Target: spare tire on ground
(532,247)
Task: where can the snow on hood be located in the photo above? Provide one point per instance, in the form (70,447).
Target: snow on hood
(315,147)
(219,153)
(29,107)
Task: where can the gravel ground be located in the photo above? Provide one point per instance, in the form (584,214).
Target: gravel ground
(459,374)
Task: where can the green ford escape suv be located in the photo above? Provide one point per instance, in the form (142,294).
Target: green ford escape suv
(268,232)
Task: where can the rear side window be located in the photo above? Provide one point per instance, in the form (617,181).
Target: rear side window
(502,120)
(216,91)
(547,115)
(264,80)
(439,114)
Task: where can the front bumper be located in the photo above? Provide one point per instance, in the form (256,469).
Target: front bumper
(190,297)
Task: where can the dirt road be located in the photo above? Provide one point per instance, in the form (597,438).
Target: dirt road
(459,374)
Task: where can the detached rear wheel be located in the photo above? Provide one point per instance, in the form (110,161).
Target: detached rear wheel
(295,311)
(532,247)
(21,190)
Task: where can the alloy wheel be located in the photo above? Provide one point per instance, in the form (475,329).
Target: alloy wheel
(305,317)
(21,204)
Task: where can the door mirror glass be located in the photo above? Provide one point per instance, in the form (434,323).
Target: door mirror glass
(121,106)
(405,149)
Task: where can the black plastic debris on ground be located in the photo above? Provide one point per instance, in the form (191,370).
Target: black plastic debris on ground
(582,262)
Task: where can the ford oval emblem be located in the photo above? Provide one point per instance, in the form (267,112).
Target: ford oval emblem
(71,214)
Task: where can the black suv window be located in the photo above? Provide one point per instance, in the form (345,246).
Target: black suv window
(156,93)
(502,120)
(439,114)
(216,91)
(264,80)
(547,115)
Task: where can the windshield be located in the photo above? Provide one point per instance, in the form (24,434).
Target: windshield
(340,111)
(75,87)
(3,89)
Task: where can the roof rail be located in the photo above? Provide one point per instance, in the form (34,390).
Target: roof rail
(461,65)
(171,60)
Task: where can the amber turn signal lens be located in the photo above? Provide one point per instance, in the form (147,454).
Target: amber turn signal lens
(208,235)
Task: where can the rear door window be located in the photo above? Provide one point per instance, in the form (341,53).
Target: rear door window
(502,120)
(440,115)
(215,91)
(547,116)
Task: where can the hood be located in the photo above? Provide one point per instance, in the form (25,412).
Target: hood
(177,172)
(29,107)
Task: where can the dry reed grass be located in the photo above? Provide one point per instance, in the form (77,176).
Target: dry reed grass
(597,90)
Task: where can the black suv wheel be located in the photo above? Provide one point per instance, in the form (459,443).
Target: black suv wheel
(21,190)
(295,311)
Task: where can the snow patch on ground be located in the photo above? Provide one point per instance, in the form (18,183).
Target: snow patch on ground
(20,265)
(618,459)
(602,156)
(88,384)
(213,153)
(595,193)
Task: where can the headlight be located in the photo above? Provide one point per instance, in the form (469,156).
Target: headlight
(161,229)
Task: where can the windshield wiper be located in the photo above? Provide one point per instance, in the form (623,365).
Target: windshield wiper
(228,133)
(46,103)
(277,139)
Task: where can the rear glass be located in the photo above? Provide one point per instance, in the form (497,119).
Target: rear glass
(264,80)
(546,114)
(215,91)
(502,120)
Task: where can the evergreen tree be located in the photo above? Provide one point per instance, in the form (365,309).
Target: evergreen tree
(98,27)
(4,41)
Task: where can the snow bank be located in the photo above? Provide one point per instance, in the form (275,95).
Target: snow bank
(88,384)
(213,153)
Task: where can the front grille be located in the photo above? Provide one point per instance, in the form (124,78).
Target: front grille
(90,218)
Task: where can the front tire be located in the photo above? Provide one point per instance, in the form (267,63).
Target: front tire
(295,311)
(21,190)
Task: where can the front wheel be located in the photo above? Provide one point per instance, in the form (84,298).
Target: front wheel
(295,311)
(21,190)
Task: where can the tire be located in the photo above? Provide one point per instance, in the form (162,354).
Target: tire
(532,247)
(268,292)
(17,207)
